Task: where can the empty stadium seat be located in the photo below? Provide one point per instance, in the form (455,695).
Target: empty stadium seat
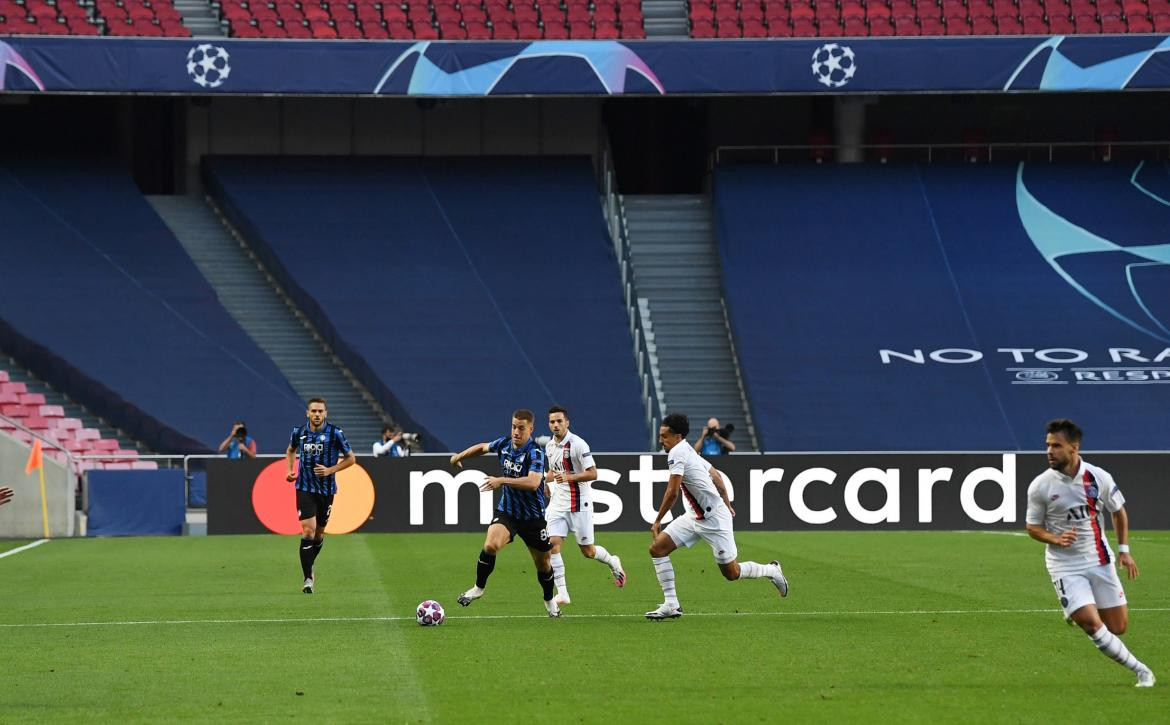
(450,214)
(130,267)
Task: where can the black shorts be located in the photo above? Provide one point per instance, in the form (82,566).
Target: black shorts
(314,504)
(534,532)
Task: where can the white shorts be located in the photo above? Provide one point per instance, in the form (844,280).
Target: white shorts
(560,523)
(1100,586)
(715,530)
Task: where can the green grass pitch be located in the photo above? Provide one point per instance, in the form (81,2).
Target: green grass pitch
(879,627)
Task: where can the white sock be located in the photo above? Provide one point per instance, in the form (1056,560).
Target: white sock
(558,566)
(752,570)
(600,554)
(1114,648)
(665,571)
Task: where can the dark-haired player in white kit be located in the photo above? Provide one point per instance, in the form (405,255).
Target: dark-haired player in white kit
(708,517)
(570,469)
(1066,507)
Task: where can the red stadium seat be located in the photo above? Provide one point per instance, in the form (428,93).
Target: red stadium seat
(1009,26)
(801,10)
(504,31)
(425,31)
(881,27)
(855,27)
(779,29)
(1087,25)
(728,29)
(803,28)
(702,29)
(932,26)
(1112,23)
(580,31)
(907,27)
(983,26)
(1139,24)
(754,29)
(555,31)
(958,26)
(528,30)
(1162,23)
(633,30)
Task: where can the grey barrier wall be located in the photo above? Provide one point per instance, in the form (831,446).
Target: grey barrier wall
(770,491)
(21,517)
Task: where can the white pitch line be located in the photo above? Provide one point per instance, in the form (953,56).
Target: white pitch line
(302,620)
(26,547)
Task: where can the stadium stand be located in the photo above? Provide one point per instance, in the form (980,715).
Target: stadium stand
(39,17)
(22,410)
(438,19)
(947,258)
(147,340)
(859,18)
(455,290)
(146,18)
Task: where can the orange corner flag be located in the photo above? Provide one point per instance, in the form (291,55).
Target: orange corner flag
(35,457)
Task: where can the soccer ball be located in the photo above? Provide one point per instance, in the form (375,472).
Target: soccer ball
(208,65)
(833,65)
(430,613)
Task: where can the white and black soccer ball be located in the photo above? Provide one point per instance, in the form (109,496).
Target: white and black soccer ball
(833,64)
(430,613)
(208,65)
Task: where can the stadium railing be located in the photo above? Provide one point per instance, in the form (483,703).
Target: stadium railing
(984,152)
(615,218)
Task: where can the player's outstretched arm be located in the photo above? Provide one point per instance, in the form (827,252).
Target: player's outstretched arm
(1043,535)
(1121,528)
(476,450)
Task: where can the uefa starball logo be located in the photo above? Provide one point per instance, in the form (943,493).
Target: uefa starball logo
(833,65)
(208,65)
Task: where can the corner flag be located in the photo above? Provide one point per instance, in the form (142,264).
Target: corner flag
(36,462)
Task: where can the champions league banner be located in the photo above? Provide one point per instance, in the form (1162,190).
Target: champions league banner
(773,492)
(803,66)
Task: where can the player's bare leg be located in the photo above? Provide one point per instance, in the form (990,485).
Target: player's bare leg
(664,569)
(308,550)
(1115,618)
(496,539)
(734,571)
(600,554)
(558,568)
(1090,620)
(544,575)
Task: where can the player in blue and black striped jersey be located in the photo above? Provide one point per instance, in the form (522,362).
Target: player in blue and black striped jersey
(323,451)
(520,510)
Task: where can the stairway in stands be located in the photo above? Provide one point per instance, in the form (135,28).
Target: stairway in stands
(253,299)
(665,19)
(676,269)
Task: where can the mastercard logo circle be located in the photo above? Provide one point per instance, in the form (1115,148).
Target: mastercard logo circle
(274,500)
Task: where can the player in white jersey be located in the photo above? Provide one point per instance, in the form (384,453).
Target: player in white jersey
(569,471)
(708,517)
(1066,506)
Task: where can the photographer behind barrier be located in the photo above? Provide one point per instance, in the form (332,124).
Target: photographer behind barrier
(394,443)
(715,440)
(239,444)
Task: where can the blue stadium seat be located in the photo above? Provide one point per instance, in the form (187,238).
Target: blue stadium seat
(103,302)
(826,266)
(456,290)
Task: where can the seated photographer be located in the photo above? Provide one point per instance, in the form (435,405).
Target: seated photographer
(715,440)
(239,444)
(394,442)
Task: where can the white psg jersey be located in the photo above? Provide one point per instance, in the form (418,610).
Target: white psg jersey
(571,455)
(700,497)
(1060,503)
